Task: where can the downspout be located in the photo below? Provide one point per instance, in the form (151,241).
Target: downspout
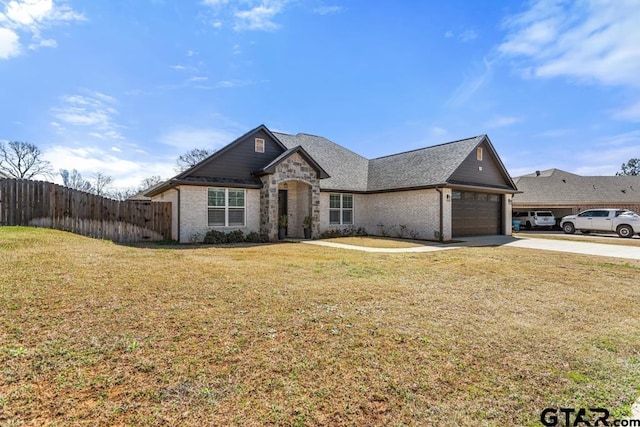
(178,219)
(441,230)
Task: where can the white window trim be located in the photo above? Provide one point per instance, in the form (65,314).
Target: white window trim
(226,207)
(259,142)
(341,209)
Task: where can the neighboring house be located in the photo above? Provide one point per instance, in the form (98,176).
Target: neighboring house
(565,193)
(456,189)
(3,175)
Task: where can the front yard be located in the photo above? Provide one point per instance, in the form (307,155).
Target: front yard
(96,333)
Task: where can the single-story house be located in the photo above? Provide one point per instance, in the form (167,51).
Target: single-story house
(565,193)
(460,188)
(3,175)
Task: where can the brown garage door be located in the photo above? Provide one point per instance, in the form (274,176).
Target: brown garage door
(475,214)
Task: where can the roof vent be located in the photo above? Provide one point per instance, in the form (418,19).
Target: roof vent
(564,180)
(624,191)
(537,173)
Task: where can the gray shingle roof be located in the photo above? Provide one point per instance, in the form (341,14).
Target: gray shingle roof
(347,170)
(423,167)
(270,168)
(560,187)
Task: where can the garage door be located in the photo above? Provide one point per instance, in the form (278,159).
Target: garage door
(475,214)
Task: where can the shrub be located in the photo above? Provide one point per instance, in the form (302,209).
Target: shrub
(236,236)
(254,237)
(215,237)
(343,232)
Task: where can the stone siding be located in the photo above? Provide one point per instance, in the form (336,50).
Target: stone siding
(293,169)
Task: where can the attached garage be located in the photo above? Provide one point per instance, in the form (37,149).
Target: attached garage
(475,213)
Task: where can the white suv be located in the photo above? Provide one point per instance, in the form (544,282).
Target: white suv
(534,219)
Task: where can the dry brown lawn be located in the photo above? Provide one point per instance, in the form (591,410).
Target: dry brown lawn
(377,242)
(94,333)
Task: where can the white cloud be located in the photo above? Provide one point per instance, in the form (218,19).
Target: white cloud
(31,17)
(215,2)
(502,121)
(91,159)
(9,43)
(260,17)
(590,41)
(471,84)
(248,15)
(464,36)
(95,111)
(327,10)
(630,113)
(468,35)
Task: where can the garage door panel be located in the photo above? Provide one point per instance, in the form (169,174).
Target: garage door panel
(476,214)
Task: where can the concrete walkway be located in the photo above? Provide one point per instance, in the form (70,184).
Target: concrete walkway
(576,247)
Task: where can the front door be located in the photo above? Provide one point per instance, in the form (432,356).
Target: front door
(282,206)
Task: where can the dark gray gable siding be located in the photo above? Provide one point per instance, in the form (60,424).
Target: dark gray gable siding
(238,159)
(487,172)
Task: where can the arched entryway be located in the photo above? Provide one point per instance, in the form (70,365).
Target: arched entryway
(294,201)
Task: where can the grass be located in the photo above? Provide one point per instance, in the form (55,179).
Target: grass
(376,242)
(95,333)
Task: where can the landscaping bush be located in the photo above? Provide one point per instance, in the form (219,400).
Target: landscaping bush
(254,237)
(343,232)
(236,236)
(215,237)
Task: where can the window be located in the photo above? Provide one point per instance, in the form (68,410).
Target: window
(226,207)
(341,209)
(259,145)
(479,153)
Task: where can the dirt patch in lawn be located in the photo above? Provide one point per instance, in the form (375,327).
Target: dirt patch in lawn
(95,333)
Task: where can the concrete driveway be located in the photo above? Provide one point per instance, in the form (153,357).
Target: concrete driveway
(569,246)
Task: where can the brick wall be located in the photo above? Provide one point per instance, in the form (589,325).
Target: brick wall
(194,213)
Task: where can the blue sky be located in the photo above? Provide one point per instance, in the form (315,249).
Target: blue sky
(125,86)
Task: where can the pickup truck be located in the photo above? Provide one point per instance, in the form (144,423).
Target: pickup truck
(625,223)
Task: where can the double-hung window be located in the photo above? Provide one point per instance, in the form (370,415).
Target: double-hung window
(341,209)
(226,207)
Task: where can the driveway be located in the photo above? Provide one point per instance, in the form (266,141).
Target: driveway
(576,247)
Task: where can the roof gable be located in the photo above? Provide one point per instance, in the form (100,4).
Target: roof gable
(271,167)
(434,166)
(487,171)
(239,158)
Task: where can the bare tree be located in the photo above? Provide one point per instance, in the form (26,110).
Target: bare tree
(149,182)
(632,167)
(121,193)
(23,160)
(100,182)
(73,179)
(191,158)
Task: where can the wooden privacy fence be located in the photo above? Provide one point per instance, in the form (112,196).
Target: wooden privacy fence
(44,204)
